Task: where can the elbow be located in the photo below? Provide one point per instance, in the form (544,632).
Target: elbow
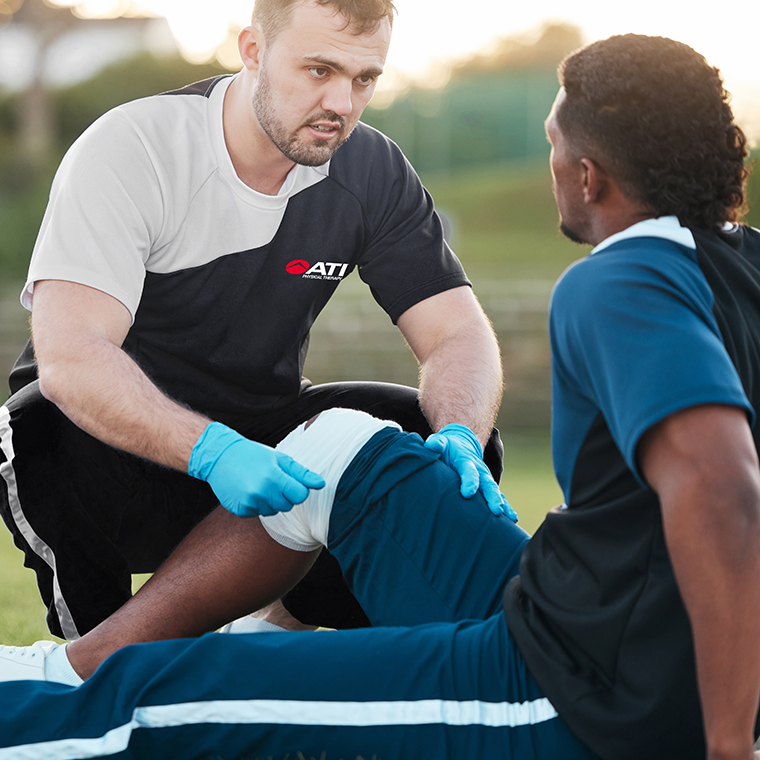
(739,513)
(52,382)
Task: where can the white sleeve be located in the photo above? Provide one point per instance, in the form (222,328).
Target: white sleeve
(103,216)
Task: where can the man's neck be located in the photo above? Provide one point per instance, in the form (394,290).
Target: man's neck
(610,226)
(256,159)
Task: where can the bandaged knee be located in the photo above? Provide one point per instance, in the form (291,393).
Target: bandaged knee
(326,445)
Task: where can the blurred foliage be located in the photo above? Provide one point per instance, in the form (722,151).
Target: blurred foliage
(78,106)
(753,191)
(492,110)
(554,42)
(479,119)
(25,180)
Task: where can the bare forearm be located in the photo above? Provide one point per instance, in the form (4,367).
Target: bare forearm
(107,395)
(462,382)
(703,465)
(460,364)
(78,332)
(716,557)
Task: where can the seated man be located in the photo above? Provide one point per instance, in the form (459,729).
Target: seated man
(626,628)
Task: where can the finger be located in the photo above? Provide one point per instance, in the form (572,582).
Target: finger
(469,476)
(437,443)
(293,492)
(509,510)
(302,474)
(494,497)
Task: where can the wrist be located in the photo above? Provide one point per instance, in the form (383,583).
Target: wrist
(211,444)
(464,434)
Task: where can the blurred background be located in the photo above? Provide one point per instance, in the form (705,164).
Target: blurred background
(465,94)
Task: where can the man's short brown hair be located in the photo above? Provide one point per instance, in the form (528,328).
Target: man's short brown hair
(361,15)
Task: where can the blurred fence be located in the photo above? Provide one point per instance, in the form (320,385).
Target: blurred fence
(353,339)
(479,120)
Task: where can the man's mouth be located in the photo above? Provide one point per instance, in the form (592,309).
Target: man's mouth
(325,130)
(326,126)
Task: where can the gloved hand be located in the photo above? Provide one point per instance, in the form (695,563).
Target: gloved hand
(460,449)
(249,478)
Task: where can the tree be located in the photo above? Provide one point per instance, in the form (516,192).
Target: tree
(45,24)
(554,42)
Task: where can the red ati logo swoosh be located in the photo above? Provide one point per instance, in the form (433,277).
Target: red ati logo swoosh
(299,266)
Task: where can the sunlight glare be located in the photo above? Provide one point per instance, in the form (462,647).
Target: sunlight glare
(427,42)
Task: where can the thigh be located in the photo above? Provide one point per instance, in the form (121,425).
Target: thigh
(442,691)
(322,597)
(412,549)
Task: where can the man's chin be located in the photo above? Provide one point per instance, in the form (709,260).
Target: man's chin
(572,235)
(310,156)
(317,153)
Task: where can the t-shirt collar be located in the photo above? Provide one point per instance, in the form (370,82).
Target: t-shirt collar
(666,227)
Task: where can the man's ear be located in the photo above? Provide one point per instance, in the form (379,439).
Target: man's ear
(251,47)
(594,180)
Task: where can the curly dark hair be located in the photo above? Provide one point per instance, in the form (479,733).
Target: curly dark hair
(656,116)
(362,15)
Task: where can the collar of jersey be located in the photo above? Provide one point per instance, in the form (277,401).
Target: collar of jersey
(665,227)
(298,179)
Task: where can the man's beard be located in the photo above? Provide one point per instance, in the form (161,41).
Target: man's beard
(570,235)
(300,150)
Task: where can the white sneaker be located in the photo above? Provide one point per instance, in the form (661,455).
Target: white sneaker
(248,624)
(25,663)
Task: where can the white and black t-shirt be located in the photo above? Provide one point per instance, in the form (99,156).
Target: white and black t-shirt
(224,283)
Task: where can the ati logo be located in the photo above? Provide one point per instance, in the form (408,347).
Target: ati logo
(322,270)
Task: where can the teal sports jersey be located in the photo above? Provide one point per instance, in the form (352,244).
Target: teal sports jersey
(656,319)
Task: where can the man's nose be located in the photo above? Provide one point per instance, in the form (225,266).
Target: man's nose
(338,97)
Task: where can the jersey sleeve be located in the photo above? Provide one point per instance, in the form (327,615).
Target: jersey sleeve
(406,258)
(103,214)
(634,336)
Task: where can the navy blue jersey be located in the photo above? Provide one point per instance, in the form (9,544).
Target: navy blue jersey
(639,330)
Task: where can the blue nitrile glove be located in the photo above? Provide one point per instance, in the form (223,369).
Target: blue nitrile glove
(460,449)
(249,478)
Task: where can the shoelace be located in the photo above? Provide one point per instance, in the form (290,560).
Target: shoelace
(18,651)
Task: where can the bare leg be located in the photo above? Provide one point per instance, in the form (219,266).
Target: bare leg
(226,567)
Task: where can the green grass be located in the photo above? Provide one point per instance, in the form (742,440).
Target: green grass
(505,221)
(22,614)
(528,481)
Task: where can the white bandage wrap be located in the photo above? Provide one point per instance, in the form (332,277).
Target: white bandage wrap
(327,447)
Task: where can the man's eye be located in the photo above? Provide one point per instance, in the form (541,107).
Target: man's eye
(318,71)
(365,80)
